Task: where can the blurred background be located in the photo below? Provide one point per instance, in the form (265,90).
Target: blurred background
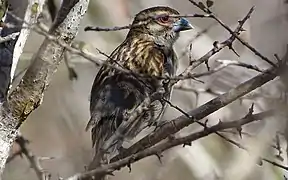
(57,128)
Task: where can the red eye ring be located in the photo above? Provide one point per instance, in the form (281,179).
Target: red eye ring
(164,19)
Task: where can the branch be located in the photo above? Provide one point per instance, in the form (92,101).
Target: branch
(29,93)
(186,74)
(208,108)
(233,33)
(115,28)
(118,28)
(157,149)
(239,129)
(10,52)
(33,11)
(223,64)
(33,160)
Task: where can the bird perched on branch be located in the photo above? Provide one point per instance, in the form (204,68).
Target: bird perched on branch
(147,50)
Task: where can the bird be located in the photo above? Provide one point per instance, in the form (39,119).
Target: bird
(115,94)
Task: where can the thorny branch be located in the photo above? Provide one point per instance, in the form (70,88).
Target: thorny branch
(179,123)
(118,28)
(233,33)
(27,96)
(239,129)
(224,64)
(214,50)
(169,144)
(217,47)
(34,161)
(204,110)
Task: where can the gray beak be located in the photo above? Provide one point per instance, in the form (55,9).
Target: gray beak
(182,25)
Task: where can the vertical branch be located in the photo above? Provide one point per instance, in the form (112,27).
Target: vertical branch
(31,15)
(28,95)
(10,52)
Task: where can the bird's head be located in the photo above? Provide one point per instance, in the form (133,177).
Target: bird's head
(160,23)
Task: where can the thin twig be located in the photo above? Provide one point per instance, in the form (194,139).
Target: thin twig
(118,28)
(33,160)
(115,28)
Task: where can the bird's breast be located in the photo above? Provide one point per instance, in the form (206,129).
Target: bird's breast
(141,56)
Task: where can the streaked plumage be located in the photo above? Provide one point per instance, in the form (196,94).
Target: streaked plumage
(147,49)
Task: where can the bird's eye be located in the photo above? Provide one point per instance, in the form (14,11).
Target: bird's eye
(164,19)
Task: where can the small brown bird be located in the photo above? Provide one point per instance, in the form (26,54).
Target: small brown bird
(147,49)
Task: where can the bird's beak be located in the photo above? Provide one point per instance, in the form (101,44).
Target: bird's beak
(182,25)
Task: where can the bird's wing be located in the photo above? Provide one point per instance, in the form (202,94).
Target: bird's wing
(112,100)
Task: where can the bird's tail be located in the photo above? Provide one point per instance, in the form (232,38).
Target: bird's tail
(99,136)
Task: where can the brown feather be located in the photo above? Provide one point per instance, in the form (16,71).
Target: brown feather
(115,94)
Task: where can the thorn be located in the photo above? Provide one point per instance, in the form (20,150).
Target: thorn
(242,29)
(260,162)
(251,109)
(198,80)
(239,129)
(187,144)
(129,167)
(277,58)
(110,173)
(240,22)
(205,124)
(215,44)
(207,65)
(191,61)
(159,156)
(219,121)
(231,48)
(279,157)
(85,167)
